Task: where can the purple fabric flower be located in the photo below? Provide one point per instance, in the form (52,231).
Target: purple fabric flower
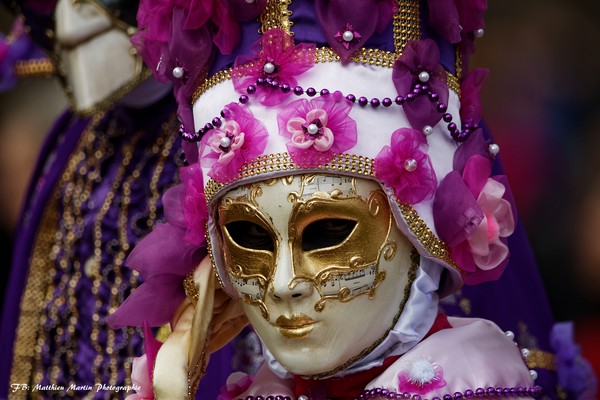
(405,167)
(273,56)
(194,205)
(421,377)
(176,38)
(240,139)
(450,18)
(421,56)
(365,17)
(470,101)
(163,259)
(17,46)
(474,213)
(575,374)
(318,129)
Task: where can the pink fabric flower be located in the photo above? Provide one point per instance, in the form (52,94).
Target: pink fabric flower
(273,56)
(405,167)
(421,377)
(421,56)
(141,378)
(318,129)
(240,139)
(237,383)
(194,205)
(485,245)
(474,213)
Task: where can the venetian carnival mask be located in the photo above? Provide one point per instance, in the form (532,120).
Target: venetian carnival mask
(319,264)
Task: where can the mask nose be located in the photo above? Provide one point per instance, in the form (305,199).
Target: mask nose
(284,273)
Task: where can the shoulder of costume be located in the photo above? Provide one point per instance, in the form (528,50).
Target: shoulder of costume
(474,355)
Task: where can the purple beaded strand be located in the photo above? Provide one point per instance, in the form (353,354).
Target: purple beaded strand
(418,89)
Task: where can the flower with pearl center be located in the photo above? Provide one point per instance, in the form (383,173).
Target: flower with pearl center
(318,129)
(421,377)
(239,138)
(405,166)
(347,36)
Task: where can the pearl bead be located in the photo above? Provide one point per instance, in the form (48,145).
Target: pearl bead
(510,335)
(302,397)
(424,76)
(525,352)
(348,36)
(225,142)
(533,373)
(250,1)
(269,68)
(494,149)
(178,72)
(410,164)
(312,129)
(479,33)
(427,130)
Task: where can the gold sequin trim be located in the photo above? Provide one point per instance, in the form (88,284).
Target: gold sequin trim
(191,290)
(214,80)
(276,15)
(428,240)
(407,24)
(540,359)
(43,67)
(343,163)
(406,27)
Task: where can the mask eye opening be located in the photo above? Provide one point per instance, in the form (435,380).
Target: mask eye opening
(250,235)
(327,232)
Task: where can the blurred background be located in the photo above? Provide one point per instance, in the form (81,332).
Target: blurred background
(541,102)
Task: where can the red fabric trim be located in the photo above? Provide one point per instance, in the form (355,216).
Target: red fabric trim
(350,386)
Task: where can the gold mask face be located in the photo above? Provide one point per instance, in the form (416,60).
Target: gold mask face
(319,264)
(334,235)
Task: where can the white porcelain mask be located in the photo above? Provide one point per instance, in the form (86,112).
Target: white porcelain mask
(321,268)
(96,55)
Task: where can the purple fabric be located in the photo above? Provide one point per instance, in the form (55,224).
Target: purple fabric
(55,154)
(421,56)
(362,18)
(62,138)
(516,302)
(20,47)
(575,374)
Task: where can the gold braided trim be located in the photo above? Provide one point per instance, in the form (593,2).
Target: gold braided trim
(42,67)
(349,164)
(276,15)
(344,163)
(428,240)
(540,359)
